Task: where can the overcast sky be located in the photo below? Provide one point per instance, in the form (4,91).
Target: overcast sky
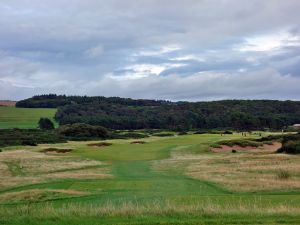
(159,49)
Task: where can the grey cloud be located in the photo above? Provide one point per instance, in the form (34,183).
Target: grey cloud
(76,45)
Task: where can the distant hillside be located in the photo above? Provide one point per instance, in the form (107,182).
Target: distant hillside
(125,113)
(7,103)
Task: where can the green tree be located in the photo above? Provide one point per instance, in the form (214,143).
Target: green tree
(46,124)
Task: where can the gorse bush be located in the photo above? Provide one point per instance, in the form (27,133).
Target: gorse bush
(241,142)
(163,134)
(32,137)
(228,132)
(81,131)
(290,144)
(128,135)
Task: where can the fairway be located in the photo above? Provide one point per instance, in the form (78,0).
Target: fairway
(12,117)
(160,181)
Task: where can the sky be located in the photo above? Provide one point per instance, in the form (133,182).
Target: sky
(191,50)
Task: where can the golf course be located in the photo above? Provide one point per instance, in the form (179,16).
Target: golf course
(157,180)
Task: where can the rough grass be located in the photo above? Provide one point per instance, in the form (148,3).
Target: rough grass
(35,195)
(12,117)
(134,208)
(248,171)
(24,167)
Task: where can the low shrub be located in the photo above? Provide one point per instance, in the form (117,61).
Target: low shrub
(82,131)
(234,151)
(163,134)
(290,144)
(128,135)
(283,174)
(215,132)
(200,132)
(29,143)
(182,133)
(227,132)
(241,142)
(31,137)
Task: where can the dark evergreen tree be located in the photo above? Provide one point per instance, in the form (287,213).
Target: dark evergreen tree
(46,124)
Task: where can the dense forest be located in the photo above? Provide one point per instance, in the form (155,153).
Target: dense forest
(125,113)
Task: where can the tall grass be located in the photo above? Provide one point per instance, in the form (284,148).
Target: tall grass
(160,208)
(283,174)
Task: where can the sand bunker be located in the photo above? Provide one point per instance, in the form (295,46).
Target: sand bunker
(100,144)
(56,150)
(138,142)
(225,148)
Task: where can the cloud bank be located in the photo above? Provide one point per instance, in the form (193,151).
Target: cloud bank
(180,50)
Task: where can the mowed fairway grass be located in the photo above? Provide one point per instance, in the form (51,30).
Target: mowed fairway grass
(12,117)
(148,183)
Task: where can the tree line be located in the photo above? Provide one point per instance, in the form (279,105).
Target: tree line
(125,113)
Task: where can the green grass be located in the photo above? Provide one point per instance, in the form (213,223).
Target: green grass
(12,117)
(139,194)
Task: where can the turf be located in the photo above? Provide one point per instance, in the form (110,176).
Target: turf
(12,117)
(140,194)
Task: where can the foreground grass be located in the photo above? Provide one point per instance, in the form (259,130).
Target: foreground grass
(166,180)
(12,117)
(205,211)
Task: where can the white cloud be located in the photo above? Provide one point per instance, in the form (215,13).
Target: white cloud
(270,42)
(188,57)
(158,51)
(137,71)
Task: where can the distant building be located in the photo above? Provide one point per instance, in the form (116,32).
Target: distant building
(296,126)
